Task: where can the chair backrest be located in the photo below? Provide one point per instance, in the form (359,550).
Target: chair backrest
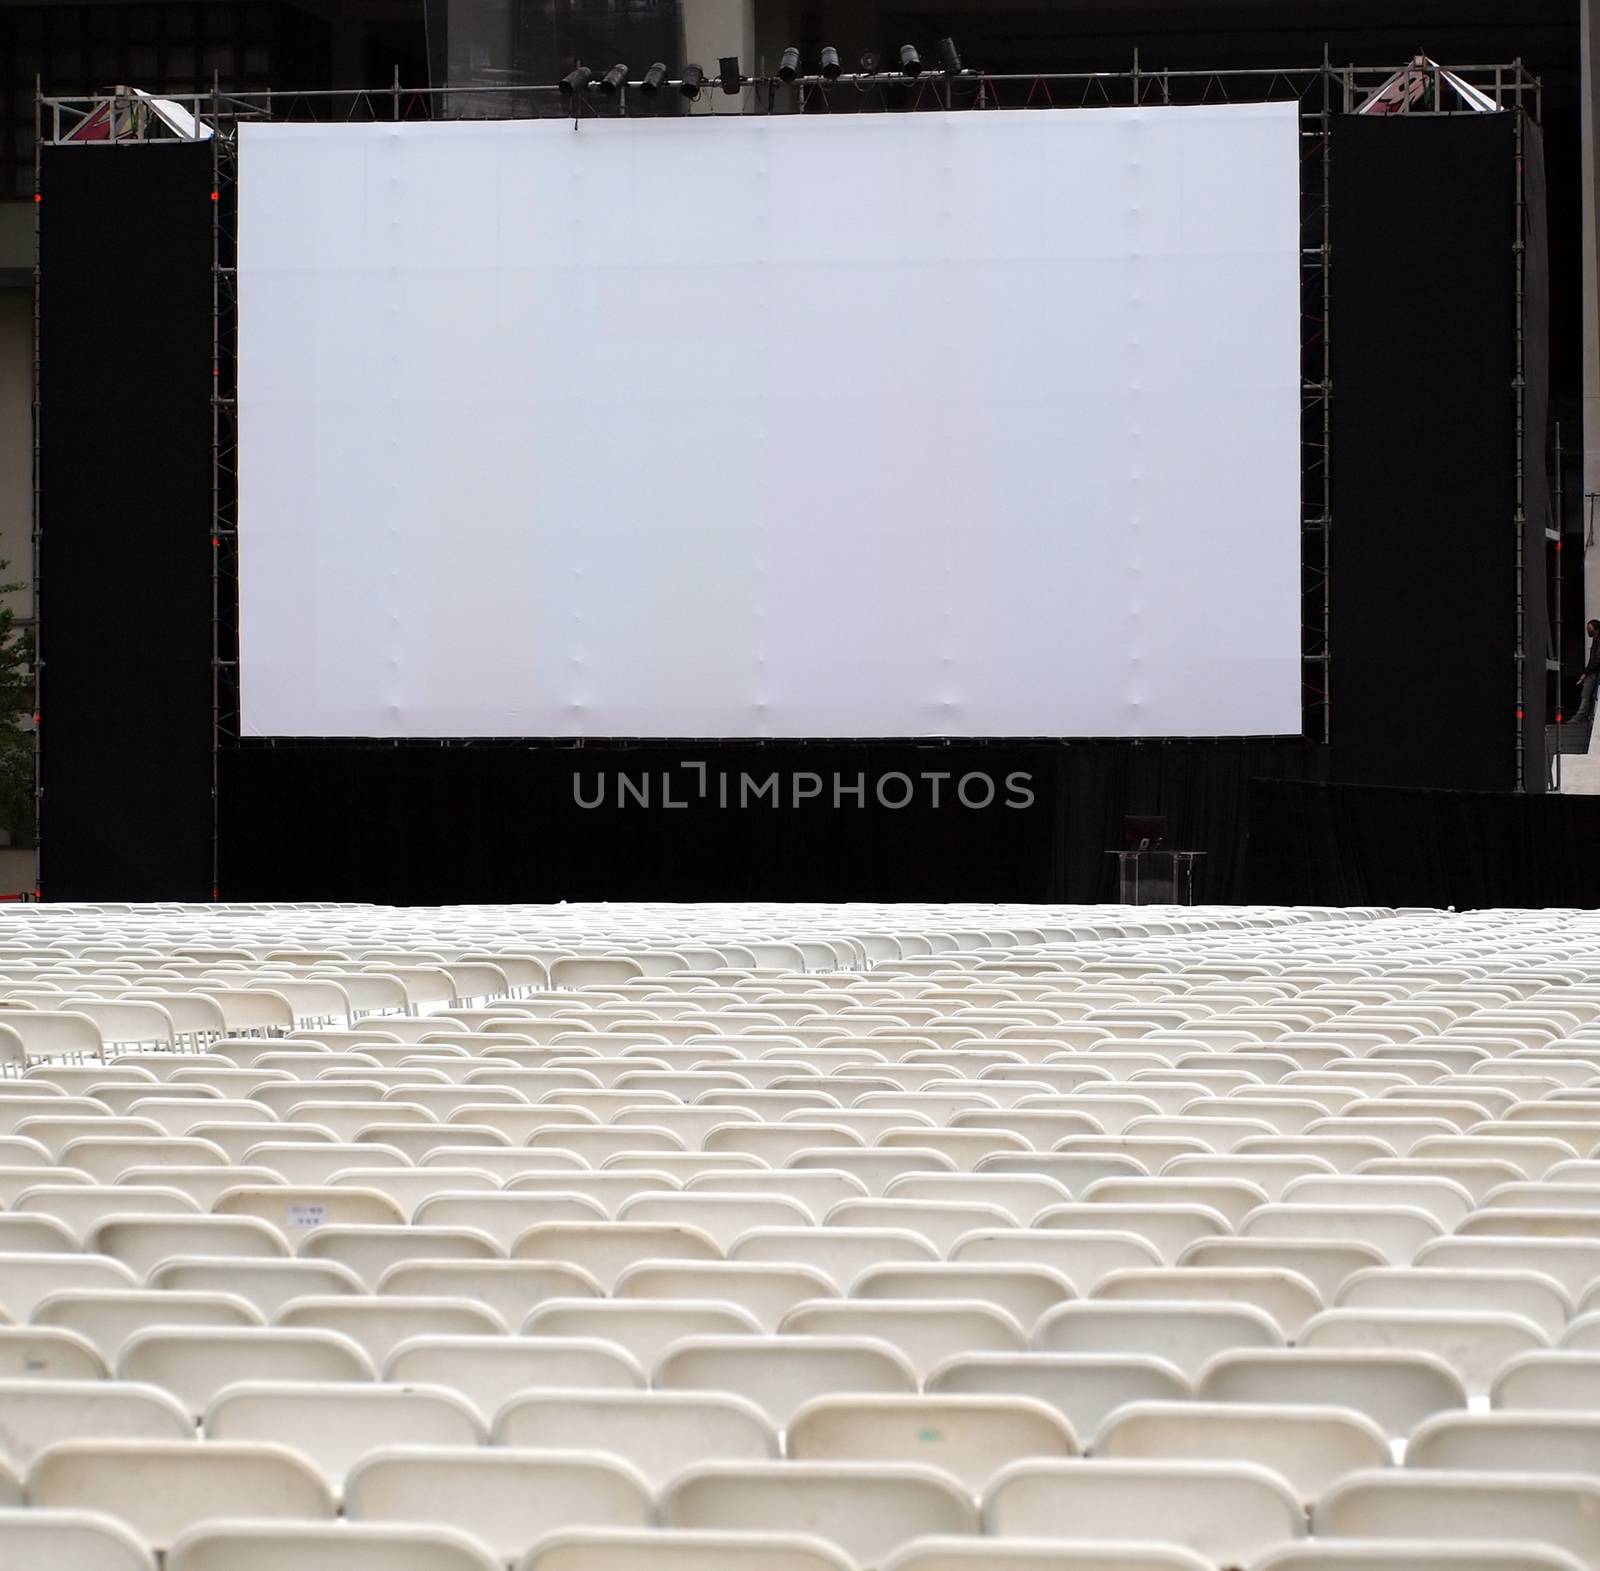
(1309,1447)
(315,1546)
(926,1331)
(196,1362)
(158,1488)
(29,1278)
(969,1437)
(1188,1335)
(1396,1390)
(1398,1554)
(46,1353)
(507,1498)
(767,1292)
(659,1432)
(1232,1513)
(666,1549)
(1082,1387)
(41,1413)
(840,1254)
(643,1328)
(69,1541)
(488,1370)
(143,1242)
(1556,1381)
(268,1284)
(1529,1294)
(1028,1554)
(780,1373)
(868,1511)
(379,1324)
(606,1249)
(1508,1442)
(1562,1509)
(370,1251)
(107,1317)
(1477,1345)
(334,1424)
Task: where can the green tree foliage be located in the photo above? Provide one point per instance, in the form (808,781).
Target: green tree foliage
(16,720)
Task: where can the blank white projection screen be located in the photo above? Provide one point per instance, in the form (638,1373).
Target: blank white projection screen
(869,426)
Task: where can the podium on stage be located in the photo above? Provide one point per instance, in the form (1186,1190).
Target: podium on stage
(1155,876)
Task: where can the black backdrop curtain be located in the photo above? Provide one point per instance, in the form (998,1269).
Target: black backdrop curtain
(1373,845)
(505,823)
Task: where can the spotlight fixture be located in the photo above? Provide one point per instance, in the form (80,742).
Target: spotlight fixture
(728,73)
(575,81)
(868,63)
(910,60)
(950,56)
(654,77)
(615,78)
(693,79)
(830,62)
(789,66)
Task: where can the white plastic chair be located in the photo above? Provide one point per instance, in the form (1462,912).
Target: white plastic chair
(238,1545)
(335,1425)
(197,1362)
(658,1432)
(1309,1447)
(507,1498)
(663,1549)
(867,1510)
(159,1488)
(968,1437)
(1557,1509)
(780,1373)
(1082,1387)
(1231,1513)
(487,1370)
(68,1541)
(41,1413)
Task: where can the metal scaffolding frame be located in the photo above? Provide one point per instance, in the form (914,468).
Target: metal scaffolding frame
(1323,91)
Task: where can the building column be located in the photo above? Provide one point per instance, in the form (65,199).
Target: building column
(712,29)
(1587,23)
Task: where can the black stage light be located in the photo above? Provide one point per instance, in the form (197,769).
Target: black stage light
(728,73)
(830,62)
(575,81)
(654,77)
(615,78)
(910,60)
(789,66)
(693,77)
(950,56)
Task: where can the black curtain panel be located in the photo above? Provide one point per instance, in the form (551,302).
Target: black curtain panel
(1320,844)
(1422,619)
(125,521)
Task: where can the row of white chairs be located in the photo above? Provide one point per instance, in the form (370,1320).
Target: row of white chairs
(766,1238)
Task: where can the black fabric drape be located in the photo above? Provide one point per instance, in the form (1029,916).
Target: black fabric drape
(1322,844)
(125,521)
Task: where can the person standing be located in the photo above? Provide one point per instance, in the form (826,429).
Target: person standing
(1591,675)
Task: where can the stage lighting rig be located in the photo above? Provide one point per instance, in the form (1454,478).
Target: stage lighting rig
(614,79)
(575,81)
(728,74)
(654,77)
(693,80)
(910,60)
(830,62)
(949,57)
(789,65)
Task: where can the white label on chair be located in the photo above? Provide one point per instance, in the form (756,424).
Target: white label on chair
(307,1216)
